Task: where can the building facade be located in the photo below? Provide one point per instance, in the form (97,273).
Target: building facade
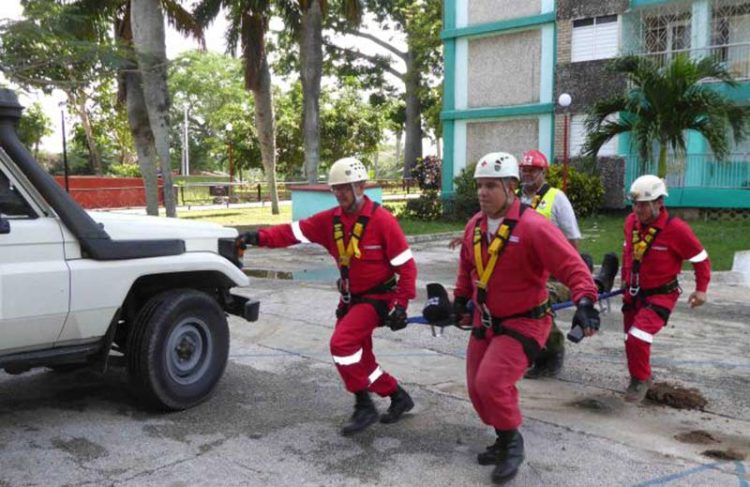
(507,61)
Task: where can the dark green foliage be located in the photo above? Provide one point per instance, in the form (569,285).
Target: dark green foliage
(585,191)
(464,203)
(428,207)
(427,172)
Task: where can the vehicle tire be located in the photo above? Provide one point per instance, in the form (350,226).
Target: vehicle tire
(177,349)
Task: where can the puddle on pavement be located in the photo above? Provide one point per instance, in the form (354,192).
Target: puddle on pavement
(697,437)
(676,396)
(322,274)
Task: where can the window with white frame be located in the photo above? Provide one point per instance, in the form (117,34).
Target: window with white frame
(594,38)
(577,138)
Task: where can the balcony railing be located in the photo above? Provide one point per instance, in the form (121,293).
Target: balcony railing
(697,170)
(735,57)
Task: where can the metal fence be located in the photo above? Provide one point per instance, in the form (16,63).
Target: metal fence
(223,192)
(697,170)
(734,57)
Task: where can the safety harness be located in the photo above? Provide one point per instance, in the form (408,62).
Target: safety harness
(539,196)
(530,347)
(346,253)
(641,246)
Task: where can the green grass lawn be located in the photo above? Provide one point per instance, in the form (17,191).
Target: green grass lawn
(601,233)
(604,233)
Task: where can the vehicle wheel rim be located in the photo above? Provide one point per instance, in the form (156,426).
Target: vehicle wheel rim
(189,350)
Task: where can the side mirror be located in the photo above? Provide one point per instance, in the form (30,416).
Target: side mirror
(4,226)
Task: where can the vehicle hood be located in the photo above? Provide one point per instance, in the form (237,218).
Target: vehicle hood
(121,226)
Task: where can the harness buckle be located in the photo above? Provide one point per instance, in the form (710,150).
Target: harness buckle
(635,284)
(346,295)
(486,317)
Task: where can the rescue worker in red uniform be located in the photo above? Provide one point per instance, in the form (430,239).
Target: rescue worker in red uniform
(656,245)
(378,278)
(507,255)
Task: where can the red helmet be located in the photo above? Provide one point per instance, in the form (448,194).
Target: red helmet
(534,158)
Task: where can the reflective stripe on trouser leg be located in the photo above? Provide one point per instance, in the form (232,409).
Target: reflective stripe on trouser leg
(493,366)
(353,336)
(641,325)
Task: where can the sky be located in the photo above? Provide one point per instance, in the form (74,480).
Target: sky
(176,44)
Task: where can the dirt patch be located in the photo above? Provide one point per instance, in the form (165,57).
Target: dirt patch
(676,396)
(698,437)
(728,454)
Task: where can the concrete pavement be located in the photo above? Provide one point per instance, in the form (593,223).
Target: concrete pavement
(275,417)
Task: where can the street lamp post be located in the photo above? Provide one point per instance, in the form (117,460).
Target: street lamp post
(231,162)
(564,101)
(65,147)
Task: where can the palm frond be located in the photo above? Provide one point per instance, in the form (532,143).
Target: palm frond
(183,21)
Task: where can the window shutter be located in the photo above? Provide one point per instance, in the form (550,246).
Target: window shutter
(582,45)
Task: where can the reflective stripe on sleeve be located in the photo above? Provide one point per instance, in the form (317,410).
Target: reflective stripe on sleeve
(349,359)
(402,258)
(641,335)
(700,257)
(375,375)
(297,231)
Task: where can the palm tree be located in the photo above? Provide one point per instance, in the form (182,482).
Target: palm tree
(248,24)
(662,103)
(139,28)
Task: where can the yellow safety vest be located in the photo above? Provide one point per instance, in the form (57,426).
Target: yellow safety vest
(543,203)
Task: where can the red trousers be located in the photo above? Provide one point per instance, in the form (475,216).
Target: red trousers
(351,348)
(493,366)
(641,325)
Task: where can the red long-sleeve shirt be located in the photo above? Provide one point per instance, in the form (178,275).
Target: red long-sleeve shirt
(384,250)
(674,244)
(535,250)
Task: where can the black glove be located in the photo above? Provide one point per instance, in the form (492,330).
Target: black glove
(248,238)
(460,306)
(397,319)
(586,317)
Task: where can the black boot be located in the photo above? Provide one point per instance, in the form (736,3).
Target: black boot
(606,277)
(364,415)
(401,402)
(511,453)
(588,260)
(492,455)
(547,365)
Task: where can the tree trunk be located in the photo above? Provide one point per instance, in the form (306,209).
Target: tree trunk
(399,136)
(413,144)
(79,104)
(143,139)
(148,40)
(311,53)
(265,125)
(662,169)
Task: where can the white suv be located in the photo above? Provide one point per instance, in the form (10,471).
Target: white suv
(92,288)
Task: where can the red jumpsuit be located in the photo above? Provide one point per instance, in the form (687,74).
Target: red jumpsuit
(384,251)
(535,250)
(661,264)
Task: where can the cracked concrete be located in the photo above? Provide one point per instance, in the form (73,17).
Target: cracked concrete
(275,416)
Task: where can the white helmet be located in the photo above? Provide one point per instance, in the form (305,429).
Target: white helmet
(648,188)
(497,165)
(347,170)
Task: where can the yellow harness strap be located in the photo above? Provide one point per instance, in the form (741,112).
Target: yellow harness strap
(640,246)
(495,249)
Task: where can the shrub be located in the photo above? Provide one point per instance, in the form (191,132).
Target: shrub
(428,207)
(125,170)
(464,203)
(585,191)
(427,172)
